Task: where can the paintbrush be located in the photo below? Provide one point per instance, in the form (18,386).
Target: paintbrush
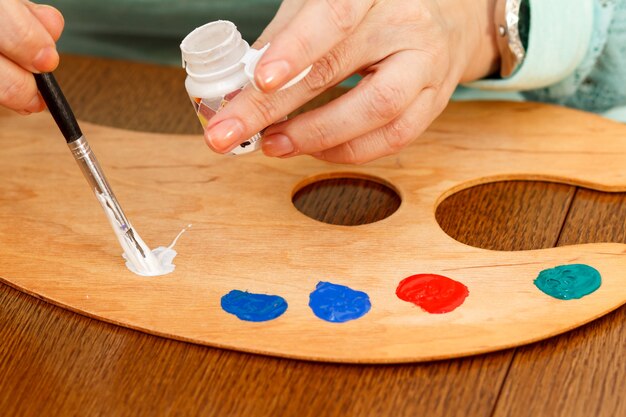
(84,156)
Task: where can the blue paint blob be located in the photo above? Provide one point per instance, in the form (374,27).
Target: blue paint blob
(338,303)
(253,307)
(568,282)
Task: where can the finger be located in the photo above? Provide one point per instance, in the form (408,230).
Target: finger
(378,99)
(23,38)
(284,15)
(17,88)
(251,111)
(51,19)
(392,137)
(312,33)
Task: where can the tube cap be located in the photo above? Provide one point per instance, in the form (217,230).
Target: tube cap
(252,58)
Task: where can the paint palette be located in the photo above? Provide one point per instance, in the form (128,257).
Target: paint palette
(255,274)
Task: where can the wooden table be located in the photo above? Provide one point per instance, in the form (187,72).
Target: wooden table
(54,362)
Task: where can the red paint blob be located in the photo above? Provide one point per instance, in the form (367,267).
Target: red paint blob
(433,293)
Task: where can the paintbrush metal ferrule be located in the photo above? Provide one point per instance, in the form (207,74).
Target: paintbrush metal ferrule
(90,168)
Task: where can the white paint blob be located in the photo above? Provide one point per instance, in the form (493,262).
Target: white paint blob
(164,256)
(155,262)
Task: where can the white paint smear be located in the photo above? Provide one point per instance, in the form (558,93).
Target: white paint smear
(156,262)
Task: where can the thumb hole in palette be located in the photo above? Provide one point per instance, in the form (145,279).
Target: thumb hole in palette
(346,199)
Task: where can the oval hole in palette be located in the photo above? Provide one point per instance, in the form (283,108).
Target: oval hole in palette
(539,215)
(346,199)
(247,235)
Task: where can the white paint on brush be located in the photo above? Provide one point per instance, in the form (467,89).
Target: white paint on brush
(156,262)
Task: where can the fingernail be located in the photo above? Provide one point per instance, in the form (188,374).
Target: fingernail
(35,105)
(273,74)
(45,59)
(277,145)
(224,135)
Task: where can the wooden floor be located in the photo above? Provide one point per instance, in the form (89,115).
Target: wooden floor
(53,362)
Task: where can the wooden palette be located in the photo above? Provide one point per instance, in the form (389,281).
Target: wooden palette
(56,244)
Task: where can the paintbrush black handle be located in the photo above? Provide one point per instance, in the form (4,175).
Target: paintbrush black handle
(58,106)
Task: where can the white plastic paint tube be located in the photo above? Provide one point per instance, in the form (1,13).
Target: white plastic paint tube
(219,64)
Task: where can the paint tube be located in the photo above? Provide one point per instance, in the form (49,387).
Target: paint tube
(219,64)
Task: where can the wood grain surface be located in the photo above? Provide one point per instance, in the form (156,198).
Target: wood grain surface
(58,363)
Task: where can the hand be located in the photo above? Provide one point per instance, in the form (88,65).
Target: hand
(28,33)
(412,54)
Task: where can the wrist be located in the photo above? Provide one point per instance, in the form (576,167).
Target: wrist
(472,25)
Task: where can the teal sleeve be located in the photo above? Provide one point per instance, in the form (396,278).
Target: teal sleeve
(559,36)
(554,69)
(151,30)
(599,83)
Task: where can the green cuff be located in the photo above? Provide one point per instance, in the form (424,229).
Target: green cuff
(558,40)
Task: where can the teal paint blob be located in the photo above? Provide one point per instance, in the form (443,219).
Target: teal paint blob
(567,282)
